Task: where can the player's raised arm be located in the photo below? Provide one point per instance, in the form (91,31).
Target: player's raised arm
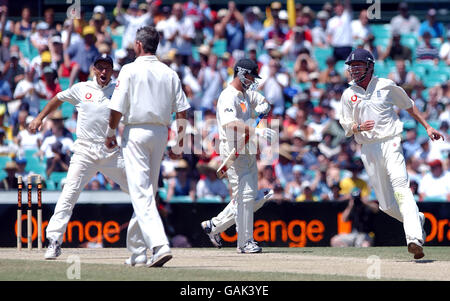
(51,106)
(431,132)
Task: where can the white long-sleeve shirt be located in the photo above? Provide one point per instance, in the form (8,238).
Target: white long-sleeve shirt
(148,92)
(376,103)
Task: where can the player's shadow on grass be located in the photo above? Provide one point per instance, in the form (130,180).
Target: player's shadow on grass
(418,261)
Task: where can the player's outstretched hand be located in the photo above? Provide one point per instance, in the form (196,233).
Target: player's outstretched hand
(35,125)
(434,134)
(111,142)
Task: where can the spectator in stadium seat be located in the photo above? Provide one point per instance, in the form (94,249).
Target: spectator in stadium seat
(292,47)
(283,167)
(209,185)
(360,27)
(354,181)
(211,81)
(16,72)
(56,120)
(273,85)
(57,150)
(39,39)
(180,32)
(79,57)
(234,26)
(267,177)
(404,22)
(414,169)
(131,21)
(435,28)
(29,90)
(5,88)
(101,34)
(25,139)
(395,50)
(253,26)
(401,76)
(308,194)
(303,67)
(294,188)
(435,185)
(181,184)
(426,51)
(10,181)
(52,86)
(339,30)
(21,122)
(427,152)
(318,32)
(7,148)
(25,26)
(444,51)
(369,44)
(410,144)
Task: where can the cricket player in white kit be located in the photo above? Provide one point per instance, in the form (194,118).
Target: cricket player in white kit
(91,99)
(237,106)
(368,113)
(147,93)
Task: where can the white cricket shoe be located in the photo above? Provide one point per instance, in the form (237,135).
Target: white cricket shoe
(250,247)
(53,250)
(215,239)
(136,260)
(161,255)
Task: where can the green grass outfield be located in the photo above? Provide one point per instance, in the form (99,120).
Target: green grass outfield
(206,264)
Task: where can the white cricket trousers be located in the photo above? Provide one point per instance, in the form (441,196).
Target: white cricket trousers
(385,165)
(89,158)
(243,178)
(143,149)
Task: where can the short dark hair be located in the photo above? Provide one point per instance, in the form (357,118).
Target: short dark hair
(149,37)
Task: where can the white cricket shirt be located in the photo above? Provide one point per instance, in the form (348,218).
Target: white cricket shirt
(91,102)
(234,105)
(148,92)
(376,103)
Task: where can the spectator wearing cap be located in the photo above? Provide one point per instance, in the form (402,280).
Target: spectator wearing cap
(327,148)
(82,54)
(308,194)
(52,86)
(24,27)
(56,120)
(101,34)
(318,32)
(435,185)
(426,51)
(316,92)
(253,26)
(68,35)
(426,153)
(30,90)
(283,167)
(395,50)
(404,22)
(39,39)
(55,46)
(293,188)
(276,31)
(10,181)
(181,184)
(435,28)
(339,30)
(319,123)
(131,21)
(292,47)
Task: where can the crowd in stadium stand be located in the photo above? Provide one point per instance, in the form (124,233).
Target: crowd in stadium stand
(301,63)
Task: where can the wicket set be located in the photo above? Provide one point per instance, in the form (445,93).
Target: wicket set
(29,212)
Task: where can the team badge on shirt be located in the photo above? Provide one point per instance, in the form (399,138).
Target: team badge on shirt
(354,98)
(88,96)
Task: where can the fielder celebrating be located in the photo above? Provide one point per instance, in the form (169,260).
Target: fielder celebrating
(368,113)
(236,106)
(90,98)
(147,93)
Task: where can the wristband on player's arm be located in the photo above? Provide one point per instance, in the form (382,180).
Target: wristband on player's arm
(110,132)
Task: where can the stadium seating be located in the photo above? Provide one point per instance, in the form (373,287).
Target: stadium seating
(57,178)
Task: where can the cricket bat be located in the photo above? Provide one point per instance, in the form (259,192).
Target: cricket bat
(222,170)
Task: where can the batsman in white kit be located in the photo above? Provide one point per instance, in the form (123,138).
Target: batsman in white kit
(146,95)
(238,105)
(91,99)
(368,113)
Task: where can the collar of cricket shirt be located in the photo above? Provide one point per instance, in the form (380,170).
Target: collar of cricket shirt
(372,81)
(146,58)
